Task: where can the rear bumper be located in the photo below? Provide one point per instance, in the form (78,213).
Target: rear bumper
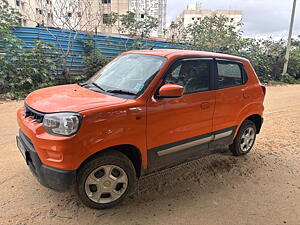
(60,180)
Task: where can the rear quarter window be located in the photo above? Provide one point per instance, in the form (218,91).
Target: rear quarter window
(229,74)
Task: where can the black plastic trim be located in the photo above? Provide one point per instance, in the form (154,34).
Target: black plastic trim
(262,122)
(157,162)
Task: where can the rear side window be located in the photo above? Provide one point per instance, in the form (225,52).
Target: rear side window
(229,74)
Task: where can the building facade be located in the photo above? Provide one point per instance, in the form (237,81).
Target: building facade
(87,15)
(195,12)
(154,8)
(101,10)
(94,15)
(34,12)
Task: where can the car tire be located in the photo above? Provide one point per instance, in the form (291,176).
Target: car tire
(244,139)
(106,180)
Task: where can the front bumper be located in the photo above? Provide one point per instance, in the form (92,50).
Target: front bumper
(60,180)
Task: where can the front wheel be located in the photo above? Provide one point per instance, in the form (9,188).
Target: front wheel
(106,180)
(244,139)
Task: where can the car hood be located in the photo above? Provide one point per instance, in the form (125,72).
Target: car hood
(69,98)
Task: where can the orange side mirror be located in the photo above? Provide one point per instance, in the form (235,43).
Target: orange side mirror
(170,91)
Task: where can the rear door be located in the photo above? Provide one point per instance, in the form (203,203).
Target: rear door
(179,128)
(230,96)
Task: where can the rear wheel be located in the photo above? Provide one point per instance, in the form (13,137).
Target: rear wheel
(106,180)
(244,139)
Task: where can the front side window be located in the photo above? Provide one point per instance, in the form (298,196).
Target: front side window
(130,73)
(193,75)
(229,74)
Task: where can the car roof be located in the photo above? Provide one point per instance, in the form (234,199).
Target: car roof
(182,53)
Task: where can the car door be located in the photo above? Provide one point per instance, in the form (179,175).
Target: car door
(230,97)
(179,128)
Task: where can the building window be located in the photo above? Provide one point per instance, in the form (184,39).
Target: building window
(106,19)
(142,16)
(69,14)
(193,18)
(39,11)
(106,1)
(17,2)
(50,17)
(24,22)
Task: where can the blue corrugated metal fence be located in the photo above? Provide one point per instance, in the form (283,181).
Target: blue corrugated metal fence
(69,45)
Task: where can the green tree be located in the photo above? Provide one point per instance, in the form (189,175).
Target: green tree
(94,60)
(9,17)
(216,33)
(134,26)
(266,56)
(176,32)
(130,24)
(294,62)
(21,70)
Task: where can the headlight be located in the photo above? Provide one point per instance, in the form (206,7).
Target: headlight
(64,124)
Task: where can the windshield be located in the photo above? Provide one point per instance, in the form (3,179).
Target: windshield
(128,74)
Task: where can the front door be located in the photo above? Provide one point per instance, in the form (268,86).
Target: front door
(179,128)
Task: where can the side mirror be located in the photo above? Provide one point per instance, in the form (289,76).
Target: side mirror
(170,91)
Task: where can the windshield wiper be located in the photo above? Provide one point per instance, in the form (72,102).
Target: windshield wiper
(98,86)
(82,84)
(116,91)
(94,84)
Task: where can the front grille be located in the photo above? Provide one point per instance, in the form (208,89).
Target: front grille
(35,115)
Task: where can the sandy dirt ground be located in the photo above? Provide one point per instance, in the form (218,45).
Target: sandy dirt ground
(260,188)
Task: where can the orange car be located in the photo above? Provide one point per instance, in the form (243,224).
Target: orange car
(144,111)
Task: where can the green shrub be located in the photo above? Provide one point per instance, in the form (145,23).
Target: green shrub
(286,78)
(23,71)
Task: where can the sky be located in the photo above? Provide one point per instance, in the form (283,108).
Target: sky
(261,18)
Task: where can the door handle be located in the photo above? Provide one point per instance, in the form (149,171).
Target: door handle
(204,105)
